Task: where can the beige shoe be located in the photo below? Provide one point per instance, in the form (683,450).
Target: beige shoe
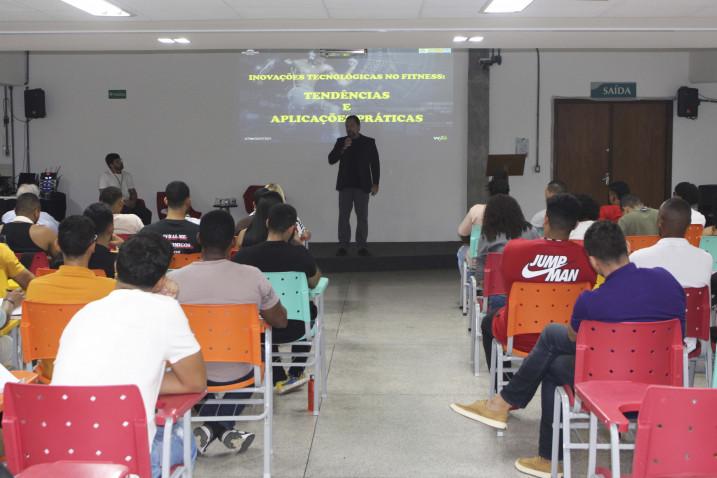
(536,466)
(479,411)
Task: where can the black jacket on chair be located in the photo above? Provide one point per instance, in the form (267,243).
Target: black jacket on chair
(358,166)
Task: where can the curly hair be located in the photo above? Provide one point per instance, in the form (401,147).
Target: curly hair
(503,216)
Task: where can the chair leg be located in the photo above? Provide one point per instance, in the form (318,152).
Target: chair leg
(592,445)
(615,451)
(477,336)
(493,371)
(557,404)
(166,447)
(707,347)
(567,442)
(187,443)
(462,295)
(268,405)
(318,385)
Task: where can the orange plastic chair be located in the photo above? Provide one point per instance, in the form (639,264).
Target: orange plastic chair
(40,330)
(636,243)
(43,271)
(531,307)
(694,234)
(180,260)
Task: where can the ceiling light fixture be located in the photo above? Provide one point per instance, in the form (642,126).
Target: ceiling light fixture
(98,8)
(166,41)
(460,39)
(506,6)
(476,39)
(182,41)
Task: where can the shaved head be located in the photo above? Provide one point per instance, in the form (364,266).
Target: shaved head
(674,218)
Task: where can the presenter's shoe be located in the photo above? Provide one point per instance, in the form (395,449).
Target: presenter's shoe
(536,466)
(341,252)
(237,440)
(363,252)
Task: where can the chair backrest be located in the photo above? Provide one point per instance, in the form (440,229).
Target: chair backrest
(475,237)
(694,234)
(493,283)
(676,431)
(227,333)
(641,242)
(43,271)
(180,260)
(33,260)
(44,424)
(293,291)
(41,328)
(646,352)
(697,313)
(533,305)
(709,244)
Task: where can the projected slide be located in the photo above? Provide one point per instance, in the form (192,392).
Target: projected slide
(304,97)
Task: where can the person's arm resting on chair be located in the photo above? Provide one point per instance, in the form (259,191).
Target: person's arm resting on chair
(187,375)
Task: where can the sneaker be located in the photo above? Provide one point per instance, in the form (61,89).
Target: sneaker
(237,440)
(291,384)
(204,437)
(536,466)
(479,411)
(363,252)
(342,252)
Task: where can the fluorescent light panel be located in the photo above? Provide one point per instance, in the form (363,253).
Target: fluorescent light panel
(171,41)
(506,6)
(166,41)
(460,38)
(98,8)
(182,41)
(476,39)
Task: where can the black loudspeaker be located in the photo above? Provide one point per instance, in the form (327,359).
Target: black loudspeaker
(35,103)
(687,102)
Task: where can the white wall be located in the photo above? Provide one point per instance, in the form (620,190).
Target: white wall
(180,121)
(568,74)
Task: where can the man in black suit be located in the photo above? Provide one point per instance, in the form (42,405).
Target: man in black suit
(359,172)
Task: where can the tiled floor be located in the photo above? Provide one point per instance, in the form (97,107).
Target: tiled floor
(398,351)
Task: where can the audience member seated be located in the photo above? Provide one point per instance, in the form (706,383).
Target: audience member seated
(217,280)
(132,336)
(303,233)
(11,268)
(637,219)
(691,193)
(497,185)
(554,187)
(116,176)
(589,212)
(257,231)
(278,254)
(45,218)
(613,211)
(552,259)
(503,221)
(24,235)
(182,234)
(102,258)
(74,282)
(245,222)
(124,223)
(629,294)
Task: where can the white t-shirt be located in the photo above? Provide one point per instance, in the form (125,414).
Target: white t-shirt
(689,265)
(538,220)
(124,181)
(125,338)
(127,224)
(578,234)
(45,219)
(698,218)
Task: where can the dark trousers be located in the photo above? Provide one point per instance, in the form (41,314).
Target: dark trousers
(552,363)
(140,209)
(486,326)
(293,332)
(213,409)
(353,198)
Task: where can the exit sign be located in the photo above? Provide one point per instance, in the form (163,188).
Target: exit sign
(613,90)
(117,94)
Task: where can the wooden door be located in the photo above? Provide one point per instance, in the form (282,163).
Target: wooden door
(582,146)
(642,147)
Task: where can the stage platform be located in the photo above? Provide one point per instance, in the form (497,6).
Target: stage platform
(387,256)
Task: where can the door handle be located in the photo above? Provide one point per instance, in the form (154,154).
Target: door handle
(606,179)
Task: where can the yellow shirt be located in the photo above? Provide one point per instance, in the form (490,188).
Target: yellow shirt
(69,285)
(9,267)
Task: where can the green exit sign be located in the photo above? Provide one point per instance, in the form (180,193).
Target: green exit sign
(117,94)
(613,90)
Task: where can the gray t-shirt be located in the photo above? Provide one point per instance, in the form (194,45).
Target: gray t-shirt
(224,282)
(485,247)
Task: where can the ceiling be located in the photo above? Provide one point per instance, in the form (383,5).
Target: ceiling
(52,25)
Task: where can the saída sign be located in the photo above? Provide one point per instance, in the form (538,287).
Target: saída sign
(613,90)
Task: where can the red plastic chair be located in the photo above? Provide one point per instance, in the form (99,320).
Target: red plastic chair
(675,434)
(162,207)
(75,469)
(105,424)
(614,365)
(39,260)
(493,284)
(697,326)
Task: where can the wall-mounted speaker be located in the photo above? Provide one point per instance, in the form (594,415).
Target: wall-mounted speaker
(687,102)
(35,103)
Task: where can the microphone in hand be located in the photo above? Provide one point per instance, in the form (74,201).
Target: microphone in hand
(347,143)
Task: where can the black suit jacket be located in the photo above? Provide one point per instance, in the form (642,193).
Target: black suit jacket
(363,150)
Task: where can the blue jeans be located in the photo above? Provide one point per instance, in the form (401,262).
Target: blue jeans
(461,255)
(176,454)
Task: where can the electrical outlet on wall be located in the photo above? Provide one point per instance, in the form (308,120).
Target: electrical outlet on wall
(521,146)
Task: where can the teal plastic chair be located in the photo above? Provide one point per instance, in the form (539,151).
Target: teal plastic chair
(475,236)
(709,244)
(294,293)
(466,267)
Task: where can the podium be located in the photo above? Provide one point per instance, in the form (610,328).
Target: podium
(512,164)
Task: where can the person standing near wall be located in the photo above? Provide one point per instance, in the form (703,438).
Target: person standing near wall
(116,176)
(358,176)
